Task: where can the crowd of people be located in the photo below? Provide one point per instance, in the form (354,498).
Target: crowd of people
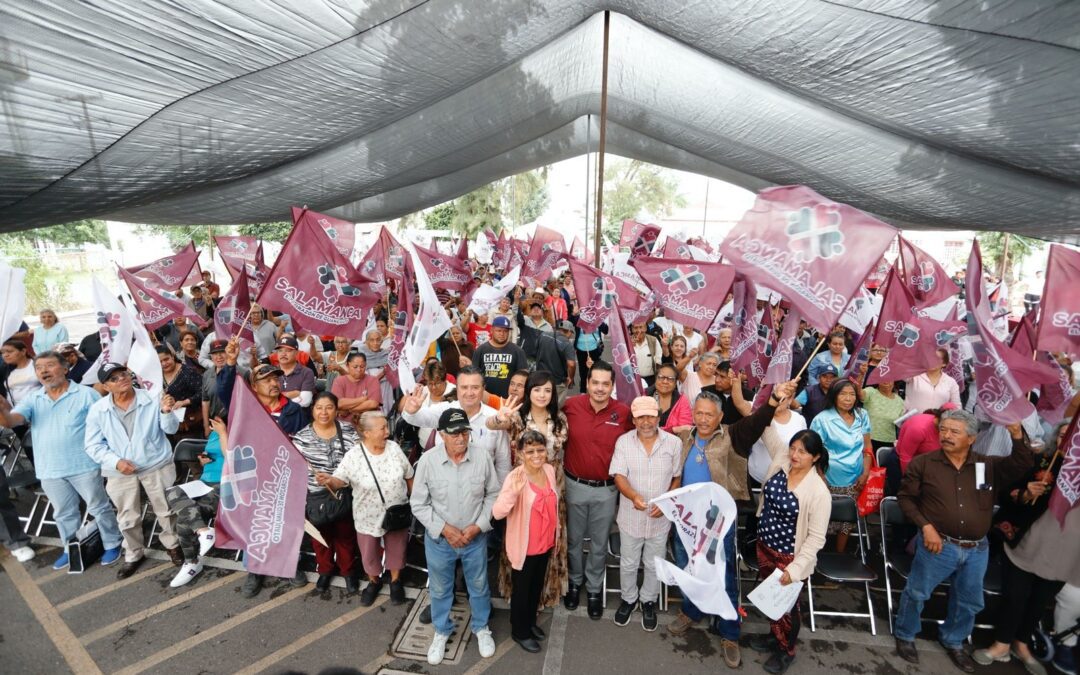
(514,441)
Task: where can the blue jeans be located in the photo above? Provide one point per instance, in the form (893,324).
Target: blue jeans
(441,558)
(64,494)
(725,628)
(966,568)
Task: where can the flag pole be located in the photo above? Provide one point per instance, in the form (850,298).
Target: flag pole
(603,141)
(811,358)
(1005,256)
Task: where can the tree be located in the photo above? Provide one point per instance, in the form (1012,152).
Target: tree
(178,236)
(632,186)
(477,211)
(277,232)
(526,196)
(68,235)
(441,217)
(992,245)
(39,294)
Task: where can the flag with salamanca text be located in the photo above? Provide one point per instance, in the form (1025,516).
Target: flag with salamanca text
(1059,322)
(598,293)
(763,349)
(263,490)
(690,292)
(231,313)
(1002,376)
(911,340)
(1066,493)
(444,271)
(744,331)
(401,322)
(157,307)
(376,263)
(341,232)
(316,285)
(925,279)
(237,251)
(1054,398)
(638,237)
(172,271)
(813,251)
(547,250)
(628,385)
(430,322)
(780,365)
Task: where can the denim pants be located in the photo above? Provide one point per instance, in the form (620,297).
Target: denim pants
(965,568)
(725,628)
(64,494)
(441,558)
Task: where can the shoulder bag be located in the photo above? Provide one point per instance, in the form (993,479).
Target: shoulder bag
(325,508)
(396,517)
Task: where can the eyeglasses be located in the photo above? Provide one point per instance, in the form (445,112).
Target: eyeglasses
(665,378)
(118,376)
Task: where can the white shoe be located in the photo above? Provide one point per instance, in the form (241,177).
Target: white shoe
(24,554)
(485,642)
(437,649)
(206,542)
(188,572)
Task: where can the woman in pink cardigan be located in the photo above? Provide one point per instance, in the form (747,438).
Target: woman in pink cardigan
(530,505)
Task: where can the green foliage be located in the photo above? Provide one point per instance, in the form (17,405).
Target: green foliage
(526,196)
(477,211)
(278,232)
(441,217)
(992,245)
(178,236)
(632,186)
(39,294)
(68,235)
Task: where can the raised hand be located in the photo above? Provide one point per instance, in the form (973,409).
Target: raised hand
(414,400)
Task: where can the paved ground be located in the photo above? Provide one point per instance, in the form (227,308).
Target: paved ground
(91,623)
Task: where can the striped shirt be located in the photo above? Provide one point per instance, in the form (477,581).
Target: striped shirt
(324,454)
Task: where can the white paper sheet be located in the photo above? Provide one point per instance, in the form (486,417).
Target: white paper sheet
(195,489)
(179,413)
(773,599)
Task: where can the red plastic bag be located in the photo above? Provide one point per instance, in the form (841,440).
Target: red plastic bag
(873,492)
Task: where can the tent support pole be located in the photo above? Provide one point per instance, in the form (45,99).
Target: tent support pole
(603,139)
(1005,256)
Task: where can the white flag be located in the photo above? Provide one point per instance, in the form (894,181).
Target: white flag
(114,328)
(702,513)
(431,322)
(13,295)
(487,297)
(862,309)
(143,359)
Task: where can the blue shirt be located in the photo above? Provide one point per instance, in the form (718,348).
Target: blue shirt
(211,472)
(845,445)
(59,428)
(820,362)
(696,468)
(587,342)
(148,448)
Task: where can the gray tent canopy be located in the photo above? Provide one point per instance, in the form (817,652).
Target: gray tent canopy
(943,114)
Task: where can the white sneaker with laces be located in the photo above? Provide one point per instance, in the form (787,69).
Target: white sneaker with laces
(485,642)
(24,554)
(206,542)
(437,649)
(187,572)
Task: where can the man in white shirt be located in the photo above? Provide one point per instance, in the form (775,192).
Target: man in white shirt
(648,352)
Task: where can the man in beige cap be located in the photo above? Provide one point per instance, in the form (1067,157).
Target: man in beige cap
(645,465)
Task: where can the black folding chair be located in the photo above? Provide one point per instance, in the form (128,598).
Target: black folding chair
(842,567)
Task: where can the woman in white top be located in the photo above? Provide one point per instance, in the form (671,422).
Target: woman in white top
(436,390)
(777,437)
(932,389)
(21,378)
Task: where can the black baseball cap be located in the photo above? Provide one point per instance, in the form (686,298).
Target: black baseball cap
(107,370)
(454,421)
(218,346)
(264,371)
(288,341)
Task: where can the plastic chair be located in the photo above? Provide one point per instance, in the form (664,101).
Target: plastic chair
(185,450)
(843,568)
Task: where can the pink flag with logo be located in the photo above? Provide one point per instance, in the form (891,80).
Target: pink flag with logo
(519,250)
(638,237)
(463,250)
(877,274)
(1054,398)
(1002,376)
(579,251)
(316,285)
(501,251)
(690,292)
(238,251)
(232,312)
(171,272)
(813,251)
(763,349)
(263,490)
(547,249)
(628,384)
(1059,322)
(924,278)
(598,293)
(1066,493)
(401,323)
(860,356)
(445,271)
(779,369)
(673,248)
(157,307)
(744,331)
(341,232)
(1023,338)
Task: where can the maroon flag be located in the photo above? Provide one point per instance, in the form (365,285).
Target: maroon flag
(927,281)
(1066,494)
(955,368)
(238,251)
(624,362)
(463,249)
(232,313)
(638,237)
(877,275)
(1059,322)
(519,250)
(171,272)
(1002,377)
(744,333)
(316,285)
(763,349)
(673,248)
(1023,338)
(547,249)
(779,369)
(813,251)
(502,249)
(702,244)
(860,355)
(257,275)
(445,271)
(598,293)
(263,490)
(341,232)
(402,320)
(579,251)
(156,307)
(1054,398)
(691,293)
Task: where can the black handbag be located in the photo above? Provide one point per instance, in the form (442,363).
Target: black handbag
(398,516)
(85,548)
(325,508)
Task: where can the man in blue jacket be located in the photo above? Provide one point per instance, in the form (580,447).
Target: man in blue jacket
(125,435)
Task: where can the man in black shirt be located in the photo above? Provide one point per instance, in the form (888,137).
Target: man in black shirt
(498,358)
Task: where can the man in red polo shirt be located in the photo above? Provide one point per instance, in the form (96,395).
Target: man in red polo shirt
(594,422)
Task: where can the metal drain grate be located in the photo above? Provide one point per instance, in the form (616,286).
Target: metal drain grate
(414,638)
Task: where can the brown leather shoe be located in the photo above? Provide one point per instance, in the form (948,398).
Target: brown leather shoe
(961,659)
(175,555)
(732,655)
(128,568)
(681,624)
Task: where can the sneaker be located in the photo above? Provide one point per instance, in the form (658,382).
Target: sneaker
(622,614)
(188,571)
(62,562)
(370,592)
(983,657)
(648,616)
(24,554)
(681,624)
(485,642)
(397,593)
(206,542)
(252,585)
(110,557)
(732,655)
(437,649)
